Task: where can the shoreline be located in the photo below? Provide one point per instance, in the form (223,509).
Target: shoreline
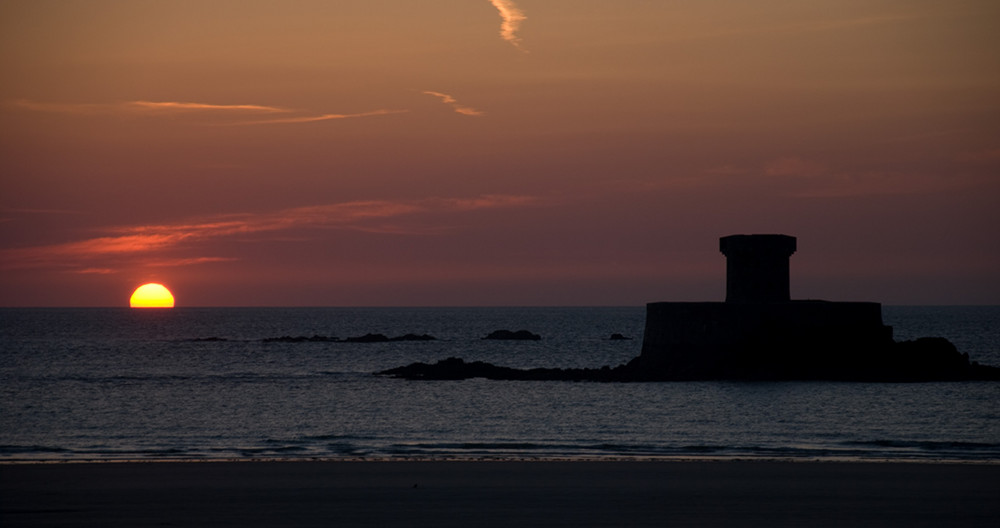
(498,493)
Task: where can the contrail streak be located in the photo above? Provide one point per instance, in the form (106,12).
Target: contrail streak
(445,98)
(449,100)
(512,17)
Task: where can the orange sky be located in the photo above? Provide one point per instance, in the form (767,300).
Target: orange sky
(495,152)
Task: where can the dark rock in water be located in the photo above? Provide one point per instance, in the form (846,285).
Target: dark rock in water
(933,359)
(368,338)
(619,337)
(380,338)
(414,337)
(300,339)
(522,335)
(458,369)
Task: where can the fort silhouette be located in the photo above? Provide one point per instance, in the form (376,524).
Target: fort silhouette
(758,333)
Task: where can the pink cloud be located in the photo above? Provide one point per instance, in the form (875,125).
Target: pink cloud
(149,240)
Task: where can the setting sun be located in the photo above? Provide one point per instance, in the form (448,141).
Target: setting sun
(151,295)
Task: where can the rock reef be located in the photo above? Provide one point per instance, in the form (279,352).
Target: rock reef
(507,335)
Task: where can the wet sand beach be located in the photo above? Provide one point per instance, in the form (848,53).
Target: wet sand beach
(505,493)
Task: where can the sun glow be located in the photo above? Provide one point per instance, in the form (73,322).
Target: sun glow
(151,295)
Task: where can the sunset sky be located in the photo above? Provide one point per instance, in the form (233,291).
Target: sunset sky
(478,152)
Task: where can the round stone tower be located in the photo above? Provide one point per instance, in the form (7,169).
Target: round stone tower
(757,267)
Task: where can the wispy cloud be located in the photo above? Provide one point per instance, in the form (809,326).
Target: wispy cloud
(512,17)
(323,117)
(141,106)
(176,262)
(469,111)
(96,271)
(155,241)
(461,109)
(213,114)
(174,105)
(445,98)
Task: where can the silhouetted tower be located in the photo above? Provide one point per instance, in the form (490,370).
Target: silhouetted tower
(757,267)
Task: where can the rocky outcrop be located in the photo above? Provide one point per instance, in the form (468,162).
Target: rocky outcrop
(458,369)
(300,339)
(922,360)
(380,338)
(507,335)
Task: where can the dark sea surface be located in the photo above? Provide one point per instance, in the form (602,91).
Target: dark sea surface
(202,383)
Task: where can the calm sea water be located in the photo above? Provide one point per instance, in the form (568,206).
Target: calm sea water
(201,383)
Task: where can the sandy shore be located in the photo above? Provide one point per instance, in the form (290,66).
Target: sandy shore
(506,493)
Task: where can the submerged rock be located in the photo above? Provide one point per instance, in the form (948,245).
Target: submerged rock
(522,335)
(414,337)
(300,339)
(368,338)
(380,338)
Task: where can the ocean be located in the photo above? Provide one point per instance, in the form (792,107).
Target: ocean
(220,383)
